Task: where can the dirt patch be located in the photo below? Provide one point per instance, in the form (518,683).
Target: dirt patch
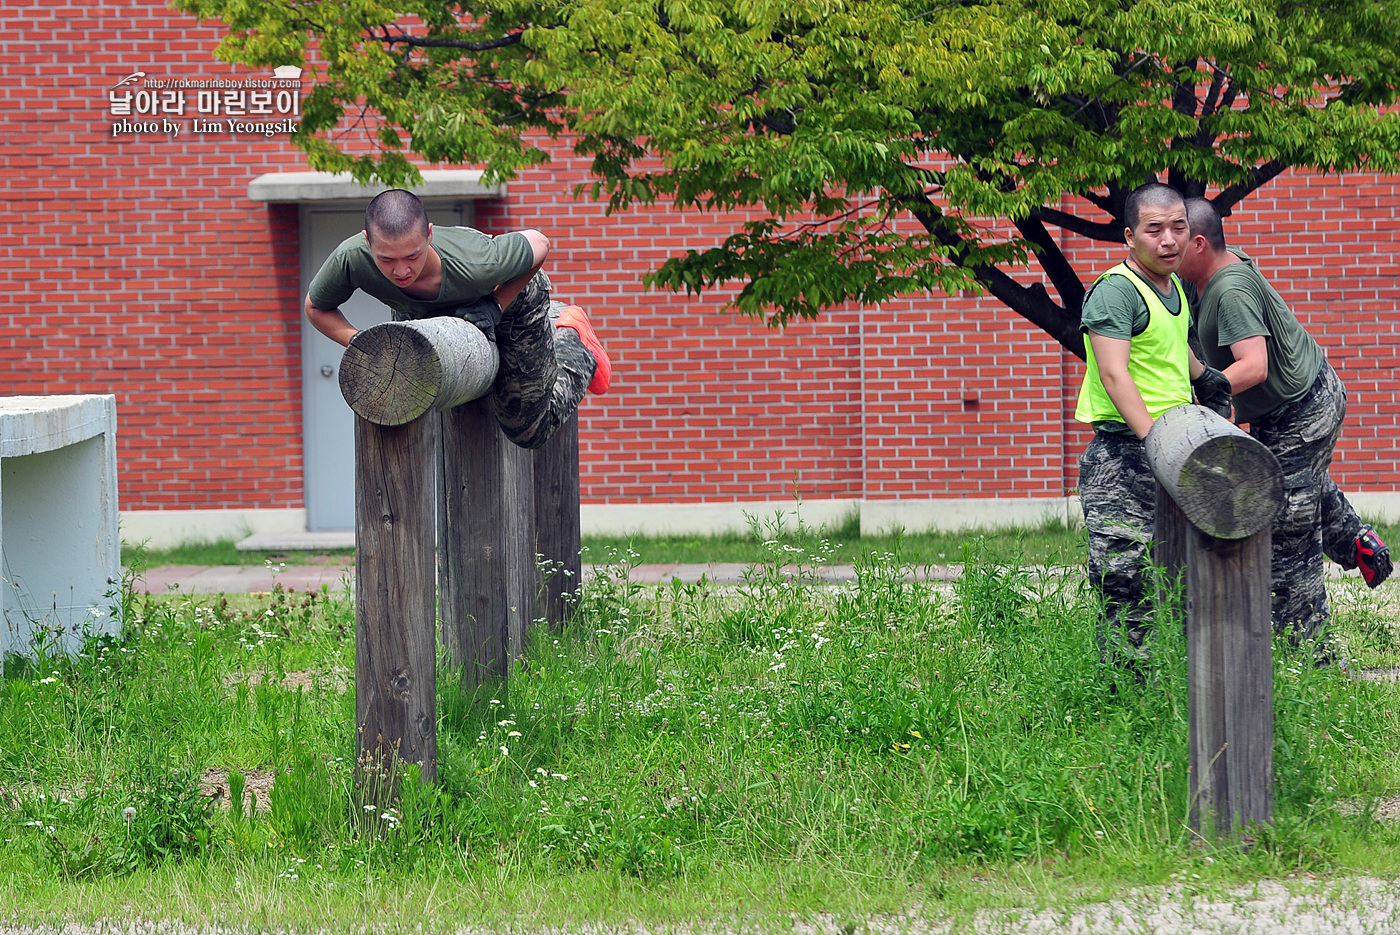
(305,679)
(1386,674)
(1387,809)
(257,788)
(1286,907)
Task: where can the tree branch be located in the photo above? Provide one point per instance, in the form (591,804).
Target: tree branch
(1106,232)
(1103,202)
(424,42)
(1032,303)
(1217,84)
(1184,98)
(1225,201)
(1052,260)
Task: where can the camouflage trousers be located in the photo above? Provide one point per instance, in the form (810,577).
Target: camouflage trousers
(1315,518)
(1119,496)
(544,370)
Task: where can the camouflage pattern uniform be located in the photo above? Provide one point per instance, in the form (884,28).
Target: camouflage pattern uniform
(1315,517)
(1119,495)
(544,370)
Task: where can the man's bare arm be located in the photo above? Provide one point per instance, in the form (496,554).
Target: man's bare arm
(539,246)
(1251,366)
(331,322)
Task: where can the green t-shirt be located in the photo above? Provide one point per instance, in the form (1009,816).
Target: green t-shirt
(473,265)
(1239,303)
(1115,309)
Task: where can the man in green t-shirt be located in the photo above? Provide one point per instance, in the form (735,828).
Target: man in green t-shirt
(1294,403)
(549,355)
(1137,320)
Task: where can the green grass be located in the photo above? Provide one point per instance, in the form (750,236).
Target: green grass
(225,552)
(1049,543)
(675,753)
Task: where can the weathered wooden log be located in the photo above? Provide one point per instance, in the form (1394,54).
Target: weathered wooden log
(486,559)
(1228,484)
(395,653)
(394,372)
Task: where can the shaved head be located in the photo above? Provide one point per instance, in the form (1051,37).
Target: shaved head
(1151,195)
(1204,221)
(394,214)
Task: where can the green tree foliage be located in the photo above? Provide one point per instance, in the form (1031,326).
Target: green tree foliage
(882,146)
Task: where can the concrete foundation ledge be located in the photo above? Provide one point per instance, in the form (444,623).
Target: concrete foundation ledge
(286,529)
(953,514)
(58,521)
(1376,507)
(712,519)
(166,529)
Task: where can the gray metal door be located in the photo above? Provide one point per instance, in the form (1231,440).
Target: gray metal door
(328,426)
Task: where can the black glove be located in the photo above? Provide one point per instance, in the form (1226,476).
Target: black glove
(1213,391)
(485,313)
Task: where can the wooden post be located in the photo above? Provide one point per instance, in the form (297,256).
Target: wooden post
(392,375)
(1170,528)
(1218,492)
(395,653)
(1229,653)
(487,558)
(558,539)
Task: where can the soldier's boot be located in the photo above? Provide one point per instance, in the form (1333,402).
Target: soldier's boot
(571,316)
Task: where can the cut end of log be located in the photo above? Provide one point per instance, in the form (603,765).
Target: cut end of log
(390,374)
(1230,487)
(395,372)
(1227,483)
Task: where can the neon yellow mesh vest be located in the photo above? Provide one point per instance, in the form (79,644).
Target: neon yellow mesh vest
(1158,361)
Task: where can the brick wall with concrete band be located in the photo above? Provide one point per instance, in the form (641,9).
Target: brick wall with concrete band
(144,269)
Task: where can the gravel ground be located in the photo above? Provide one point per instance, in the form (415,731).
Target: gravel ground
(1360,906)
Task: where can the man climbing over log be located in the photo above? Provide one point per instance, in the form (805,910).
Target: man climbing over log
(549,354)
(1137,320)
(1294,403)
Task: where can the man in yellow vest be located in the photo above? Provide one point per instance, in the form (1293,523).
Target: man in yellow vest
(1136,319)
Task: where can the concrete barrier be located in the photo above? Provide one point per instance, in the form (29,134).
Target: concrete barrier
(60,559)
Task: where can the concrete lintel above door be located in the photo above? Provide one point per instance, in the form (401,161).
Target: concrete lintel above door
(326,186)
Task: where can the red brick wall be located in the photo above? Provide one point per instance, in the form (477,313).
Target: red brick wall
(139,267)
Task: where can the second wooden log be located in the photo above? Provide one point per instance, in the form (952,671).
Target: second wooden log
(1228,484)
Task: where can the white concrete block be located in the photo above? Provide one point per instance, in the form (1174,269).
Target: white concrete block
(60,560)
